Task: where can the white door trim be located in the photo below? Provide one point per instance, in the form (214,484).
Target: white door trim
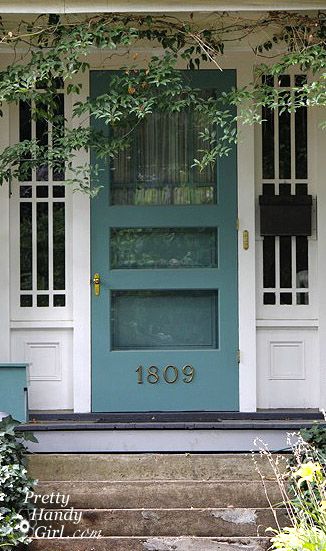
(246,258)
(319,160)
(5,248)
(246,267)
(81,277)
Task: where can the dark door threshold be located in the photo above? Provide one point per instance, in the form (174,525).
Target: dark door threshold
(156,417)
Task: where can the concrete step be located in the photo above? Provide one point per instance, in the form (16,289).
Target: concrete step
(155,502)
(225,522)
(162,494)
(96,467)
(152,544)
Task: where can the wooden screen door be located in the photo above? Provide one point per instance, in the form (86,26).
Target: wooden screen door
(164,243)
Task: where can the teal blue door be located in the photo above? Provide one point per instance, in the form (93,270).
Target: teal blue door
(164,243)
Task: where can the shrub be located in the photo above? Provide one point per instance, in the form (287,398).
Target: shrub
(316,437)
(302,482)
(14,485)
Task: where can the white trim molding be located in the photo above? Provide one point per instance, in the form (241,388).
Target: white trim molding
(157,441)
(319,161)
(246,258)
(5,249)
(81,278)
(246,267)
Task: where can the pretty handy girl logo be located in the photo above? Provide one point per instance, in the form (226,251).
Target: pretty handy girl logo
(57,519)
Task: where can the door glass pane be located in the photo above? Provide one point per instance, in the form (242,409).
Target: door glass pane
(269,261)
(164,319)
(26,246)
(286,261)
(157,168)
(25,133)
(164,248)
(59,252)
(42,137)
(268,137)
(284,146)
(42,214)
(302,279)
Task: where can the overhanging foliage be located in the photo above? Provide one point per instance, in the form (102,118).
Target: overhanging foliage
(51,48)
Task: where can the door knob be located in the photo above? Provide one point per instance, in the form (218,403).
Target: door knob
(97,284)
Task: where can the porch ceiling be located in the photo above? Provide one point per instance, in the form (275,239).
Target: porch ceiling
(84,6)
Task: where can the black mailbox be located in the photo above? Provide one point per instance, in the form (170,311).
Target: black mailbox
(285,214)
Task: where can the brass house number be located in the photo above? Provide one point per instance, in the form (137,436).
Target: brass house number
(169,374)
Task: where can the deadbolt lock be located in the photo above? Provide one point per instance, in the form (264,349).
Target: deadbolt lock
(97,284)
(245,240)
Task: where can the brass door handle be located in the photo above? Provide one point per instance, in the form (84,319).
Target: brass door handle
(97,284)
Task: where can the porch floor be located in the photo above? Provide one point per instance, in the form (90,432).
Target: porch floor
(190,432)
(291,420)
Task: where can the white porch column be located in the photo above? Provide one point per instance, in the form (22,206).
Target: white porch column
(320,168)
(246,258)
(81,281)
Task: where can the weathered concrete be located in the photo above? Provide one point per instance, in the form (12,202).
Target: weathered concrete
(152,544)
(163,494)
(236,516)
(205,544)
(173,522)
(156,502)
(147,467)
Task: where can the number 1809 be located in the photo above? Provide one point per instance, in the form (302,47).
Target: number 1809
(169,374)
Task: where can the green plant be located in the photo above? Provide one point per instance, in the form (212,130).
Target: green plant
(14,485)
(302,482)
(55,48)
(300,539)
(316,437)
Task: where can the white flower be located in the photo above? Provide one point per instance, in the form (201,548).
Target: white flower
(24,526)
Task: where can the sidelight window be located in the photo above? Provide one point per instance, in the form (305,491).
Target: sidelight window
(42,215)
(286,277)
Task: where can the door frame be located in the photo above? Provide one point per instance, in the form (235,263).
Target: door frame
(243,63)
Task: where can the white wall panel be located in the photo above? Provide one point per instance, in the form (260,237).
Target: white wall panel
(44,360)
(286,360)
(287,365)
(49,355)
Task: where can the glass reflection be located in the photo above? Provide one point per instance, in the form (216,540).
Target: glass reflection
(147,319)
(158,168)
(164,248)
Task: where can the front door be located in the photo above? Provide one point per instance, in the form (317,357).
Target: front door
(164,243)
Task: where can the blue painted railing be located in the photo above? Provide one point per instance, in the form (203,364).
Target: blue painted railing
(13,390)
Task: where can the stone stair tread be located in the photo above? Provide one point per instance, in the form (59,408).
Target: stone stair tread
(136,543)
(164,522)
(68,467)
(145,493)
(189,508)
(155,502)
(161,480)
(224,539)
